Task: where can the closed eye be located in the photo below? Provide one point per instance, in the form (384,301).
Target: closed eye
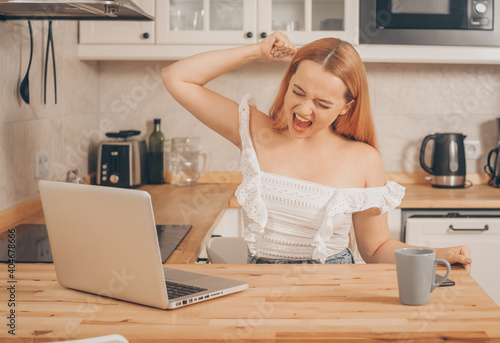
(301,93)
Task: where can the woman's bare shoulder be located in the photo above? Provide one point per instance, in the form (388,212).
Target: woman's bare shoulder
(259,117)
(261,126)
(369,163)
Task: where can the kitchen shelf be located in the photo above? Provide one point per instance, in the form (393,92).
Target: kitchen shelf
(368,53)
(127,52)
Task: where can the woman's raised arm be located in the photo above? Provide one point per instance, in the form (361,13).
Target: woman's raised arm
(185,81)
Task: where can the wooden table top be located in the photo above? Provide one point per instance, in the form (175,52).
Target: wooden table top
(357,303)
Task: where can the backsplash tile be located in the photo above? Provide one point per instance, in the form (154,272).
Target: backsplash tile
(415,100)
(19,142)
(443,90)
(58,128)
(132,100)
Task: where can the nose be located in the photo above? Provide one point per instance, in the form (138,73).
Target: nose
(305,107)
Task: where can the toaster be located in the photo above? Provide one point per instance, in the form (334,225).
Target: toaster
(121,162)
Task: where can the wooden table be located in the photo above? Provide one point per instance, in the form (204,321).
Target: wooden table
(301,303)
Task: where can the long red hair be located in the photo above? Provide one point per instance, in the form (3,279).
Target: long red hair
(342,60)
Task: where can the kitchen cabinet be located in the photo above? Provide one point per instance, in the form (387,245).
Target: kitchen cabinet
(307,20)
(186,27)
(394,222)
(240,22)
(229,225)
(200,22)
(120,32)
(183,28)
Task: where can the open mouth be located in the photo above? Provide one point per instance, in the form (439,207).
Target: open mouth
(300,124)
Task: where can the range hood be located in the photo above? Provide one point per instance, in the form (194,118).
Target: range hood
(71,10)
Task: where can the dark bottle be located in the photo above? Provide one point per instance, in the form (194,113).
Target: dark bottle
(155,155)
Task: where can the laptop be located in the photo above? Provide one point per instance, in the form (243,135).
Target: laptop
(104,241)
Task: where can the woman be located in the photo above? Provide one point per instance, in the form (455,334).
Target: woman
(311,168)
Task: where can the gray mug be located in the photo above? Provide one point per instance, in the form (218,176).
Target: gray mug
(416,270)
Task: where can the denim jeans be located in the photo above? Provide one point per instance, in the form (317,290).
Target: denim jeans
(343,257)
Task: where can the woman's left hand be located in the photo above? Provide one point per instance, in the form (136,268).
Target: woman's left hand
(460,254)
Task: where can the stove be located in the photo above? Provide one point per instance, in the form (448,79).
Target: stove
(32,242)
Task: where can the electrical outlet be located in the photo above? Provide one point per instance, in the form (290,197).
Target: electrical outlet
(42,164)
(42,249)
(472,149)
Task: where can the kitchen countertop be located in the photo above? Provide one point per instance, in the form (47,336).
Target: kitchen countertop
(420,193)
(201,206)
(424,196)
(284,302)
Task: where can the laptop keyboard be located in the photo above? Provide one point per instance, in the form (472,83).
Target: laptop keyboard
(177,290)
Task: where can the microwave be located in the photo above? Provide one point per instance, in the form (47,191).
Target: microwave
(429,22)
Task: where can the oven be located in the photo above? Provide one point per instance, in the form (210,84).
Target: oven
(478,229)
(429,22)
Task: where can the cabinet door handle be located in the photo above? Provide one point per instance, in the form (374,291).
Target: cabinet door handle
(249,34)
(263,35)
(485,228)
(145,35)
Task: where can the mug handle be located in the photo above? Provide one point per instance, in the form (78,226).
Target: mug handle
(448,270)
(204,162)
(488,168)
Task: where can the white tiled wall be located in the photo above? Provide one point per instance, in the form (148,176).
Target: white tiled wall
(409,101)
(60,129)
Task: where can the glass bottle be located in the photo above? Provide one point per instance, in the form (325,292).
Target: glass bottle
(155,154)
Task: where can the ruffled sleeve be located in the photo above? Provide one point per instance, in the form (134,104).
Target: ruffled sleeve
(248,192)
(351,200)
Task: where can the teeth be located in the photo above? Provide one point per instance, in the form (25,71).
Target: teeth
(302,120)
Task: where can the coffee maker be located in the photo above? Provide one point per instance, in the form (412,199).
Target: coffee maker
(492,167)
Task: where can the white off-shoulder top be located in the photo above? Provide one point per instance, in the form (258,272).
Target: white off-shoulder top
(288,218)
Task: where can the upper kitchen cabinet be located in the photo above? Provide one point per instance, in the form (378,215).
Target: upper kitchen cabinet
(186,27)
(202,22)
(122,32)
(240,22)
(307,20)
